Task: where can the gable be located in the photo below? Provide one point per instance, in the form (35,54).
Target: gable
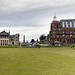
(4,33)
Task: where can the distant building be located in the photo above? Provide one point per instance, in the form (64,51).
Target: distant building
(24,39)
(63,31)
(8,40)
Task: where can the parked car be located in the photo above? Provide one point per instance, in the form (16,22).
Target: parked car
(56,43)
(24,45)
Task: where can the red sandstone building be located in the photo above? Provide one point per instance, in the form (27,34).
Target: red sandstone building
(63,31)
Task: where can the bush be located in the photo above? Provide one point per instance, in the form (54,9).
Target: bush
(9,46)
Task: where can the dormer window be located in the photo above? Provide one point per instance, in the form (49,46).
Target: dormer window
(59,29)
(54,29)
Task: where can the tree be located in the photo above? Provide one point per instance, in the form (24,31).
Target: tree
(42,37)
(32,40)
(37,40)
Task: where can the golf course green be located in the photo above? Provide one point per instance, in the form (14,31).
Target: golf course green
(37,61)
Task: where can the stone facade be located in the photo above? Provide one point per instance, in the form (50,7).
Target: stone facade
(63,31)
(8,40)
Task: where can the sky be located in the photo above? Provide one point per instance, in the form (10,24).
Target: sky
(32,18)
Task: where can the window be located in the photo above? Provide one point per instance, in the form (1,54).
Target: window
(12,43)
(63,29)
(54,32)
(63,36)
(63,32)
(6,36)
(71,36)
(59,26)
(63,24)
(74,24)
(59,36)
(67,36)
(59,29)
(54,29)
(70,32)
(71,40)
(67,32)
(60,40)
(1,36)
(3,42)
(74,41)
(66,24)
(74,32)
(16,36)
(59,33)
(7,42)
(64,41)
(55,36)
(70,29)
(70,24)
(67,40)
(11,39)
(67,29)
(54,26)
(74,29)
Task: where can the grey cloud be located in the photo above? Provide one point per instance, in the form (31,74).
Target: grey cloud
(34,13)
(12,6)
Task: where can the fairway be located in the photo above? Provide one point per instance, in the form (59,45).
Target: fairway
(35,61)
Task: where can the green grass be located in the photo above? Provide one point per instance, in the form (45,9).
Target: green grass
(35,61)
(9,46)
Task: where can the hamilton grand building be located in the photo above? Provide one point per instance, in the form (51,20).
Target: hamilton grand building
(62,31)
(8,40)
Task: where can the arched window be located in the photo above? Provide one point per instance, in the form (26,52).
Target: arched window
(64,41)
(67,40)
(63,36)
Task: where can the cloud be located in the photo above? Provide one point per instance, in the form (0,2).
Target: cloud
(29,32)
(11,6)
(33,16)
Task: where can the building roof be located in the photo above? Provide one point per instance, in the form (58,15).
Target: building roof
(11,36)
(69,20)
(4,33)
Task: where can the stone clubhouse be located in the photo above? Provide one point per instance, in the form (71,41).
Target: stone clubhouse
(9,40)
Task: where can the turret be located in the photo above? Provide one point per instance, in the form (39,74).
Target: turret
(54,18)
